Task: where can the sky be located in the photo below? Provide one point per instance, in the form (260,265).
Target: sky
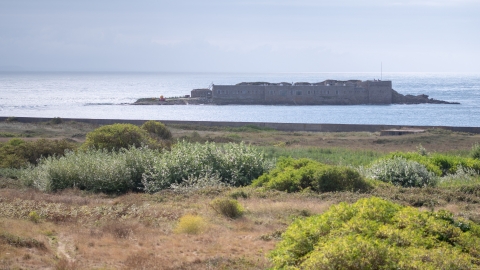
(240,36)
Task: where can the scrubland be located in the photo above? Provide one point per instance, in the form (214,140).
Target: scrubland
(207,220)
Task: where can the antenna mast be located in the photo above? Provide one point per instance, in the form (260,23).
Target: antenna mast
(381,71)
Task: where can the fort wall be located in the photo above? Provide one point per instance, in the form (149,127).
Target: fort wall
(325,93)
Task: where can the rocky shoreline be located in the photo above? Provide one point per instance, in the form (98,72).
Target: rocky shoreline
(397,98)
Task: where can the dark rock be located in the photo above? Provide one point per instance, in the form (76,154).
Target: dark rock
(398,98)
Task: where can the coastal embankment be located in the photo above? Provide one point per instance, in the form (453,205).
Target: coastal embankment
(276,126)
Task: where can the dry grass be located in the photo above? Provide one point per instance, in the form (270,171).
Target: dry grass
(434,140)
(79,230)
(137,231)
(146,239)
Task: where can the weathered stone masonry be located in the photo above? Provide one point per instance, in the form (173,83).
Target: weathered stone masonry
(329,92)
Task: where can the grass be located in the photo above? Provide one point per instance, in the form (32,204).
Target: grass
(82,230)
(333,156)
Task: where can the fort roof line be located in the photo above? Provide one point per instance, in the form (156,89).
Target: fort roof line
(328,92)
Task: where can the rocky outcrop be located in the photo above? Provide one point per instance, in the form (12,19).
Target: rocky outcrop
(172,101)
(398,98)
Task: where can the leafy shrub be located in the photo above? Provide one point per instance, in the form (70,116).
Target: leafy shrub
(417,157)
(157,129)
(34,217)
(475,152)
(117,136)
(377,234)
(195,183)
(186,166)
(462,176)
(17,153)
(191,224)
(402,172)
(230,208)
(439,164)
(56,120)
(95,170)
(295,175)
(235,164)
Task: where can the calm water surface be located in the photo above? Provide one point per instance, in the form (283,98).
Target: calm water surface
(105,95)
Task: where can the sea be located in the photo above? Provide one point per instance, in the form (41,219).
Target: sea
(103,95)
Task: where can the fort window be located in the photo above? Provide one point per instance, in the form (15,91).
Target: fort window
(299,93)
(336,92)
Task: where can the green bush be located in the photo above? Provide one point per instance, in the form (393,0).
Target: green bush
(235,164)
(94,170)
(475,152)
(18,153)
(187,166)
(157,129)
(401,172)
(117,136)
(419,158)
(377,234)
(440,164)
(230,208)
(295,175)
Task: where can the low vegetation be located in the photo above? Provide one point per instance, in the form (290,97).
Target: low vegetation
(229,208)
(157,129)
(440,164)
(297,175)
(18,153)
(145,169)
(401,172)
(379,233)
(117,136)
(224,198)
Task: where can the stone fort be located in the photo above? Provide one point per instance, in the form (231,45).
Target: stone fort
(329,92)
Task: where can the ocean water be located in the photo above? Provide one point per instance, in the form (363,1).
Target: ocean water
(107,96)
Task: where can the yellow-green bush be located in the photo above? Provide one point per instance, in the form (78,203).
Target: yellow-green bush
(475,152)
(117,136)
(17,153)
(293,175)
(440,164)
(230,208)
(191,224)
(157,129)
(377,234)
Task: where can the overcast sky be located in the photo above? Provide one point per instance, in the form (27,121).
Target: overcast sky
(241,36)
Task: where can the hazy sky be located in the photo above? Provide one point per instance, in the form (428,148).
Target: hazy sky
(241,36)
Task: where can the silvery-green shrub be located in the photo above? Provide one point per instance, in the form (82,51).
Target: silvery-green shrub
(401,172)
(151,170)
(94,170)
(235,164)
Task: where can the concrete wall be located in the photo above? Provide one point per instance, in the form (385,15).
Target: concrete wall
(277,126)
(369,92)
(202,93)
(379,92)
